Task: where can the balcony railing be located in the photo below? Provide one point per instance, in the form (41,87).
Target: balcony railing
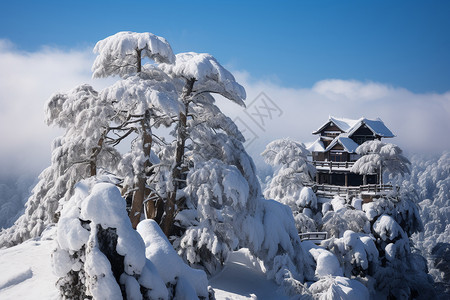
(315,237)
(334,164)
(329,191)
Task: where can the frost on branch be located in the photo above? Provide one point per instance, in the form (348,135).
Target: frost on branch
(121,53)
(209,76)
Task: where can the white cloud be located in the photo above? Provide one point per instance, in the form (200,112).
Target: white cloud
(27,80)
(344,90)
(420,121)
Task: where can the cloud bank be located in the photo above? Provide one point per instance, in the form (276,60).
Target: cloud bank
(421,122)
(27,80)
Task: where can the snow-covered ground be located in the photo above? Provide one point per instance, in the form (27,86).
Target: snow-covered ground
(243,278)
(26,273)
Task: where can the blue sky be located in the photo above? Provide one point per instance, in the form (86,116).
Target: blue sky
(295,43)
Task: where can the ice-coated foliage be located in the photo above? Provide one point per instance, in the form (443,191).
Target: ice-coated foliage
(284,257)
(86,117)
(387,229)
(225,216)
(441,255)
(121,53)
(96,244)
(305,223)
(141,100)
(403,278)
(307,198)
(377,155)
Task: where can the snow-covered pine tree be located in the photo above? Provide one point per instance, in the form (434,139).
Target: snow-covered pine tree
(377,156)
(292,177)
(198,75)
(428,185)
(144,97)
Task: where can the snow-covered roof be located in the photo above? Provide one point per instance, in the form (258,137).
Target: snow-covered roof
(378,127)
(346,142)
(349,126)
(316,146)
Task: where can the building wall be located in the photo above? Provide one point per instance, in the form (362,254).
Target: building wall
(340,180)
(362,134)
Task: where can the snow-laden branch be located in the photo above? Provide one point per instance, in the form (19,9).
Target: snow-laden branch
(377,157)
(126,49)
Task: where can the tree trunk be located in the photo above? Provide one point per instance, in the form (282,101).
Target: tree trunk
(142,192)
(167,222)
(95,152)
(138,60)
(154,208)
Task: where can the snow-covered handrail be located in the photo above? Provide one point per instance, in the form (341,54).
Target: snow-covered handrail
(334,164)
(313,236)
(325,190)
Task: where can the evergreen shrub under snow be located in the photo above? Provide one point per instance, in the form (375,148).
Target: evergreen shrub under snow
(100,256)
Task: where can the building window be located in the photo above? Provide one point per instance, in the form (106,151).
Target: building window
(331,133)
(362,138)
(336,156)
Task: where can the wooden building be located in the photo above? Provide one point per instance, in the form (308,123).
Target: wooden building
(334,153)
